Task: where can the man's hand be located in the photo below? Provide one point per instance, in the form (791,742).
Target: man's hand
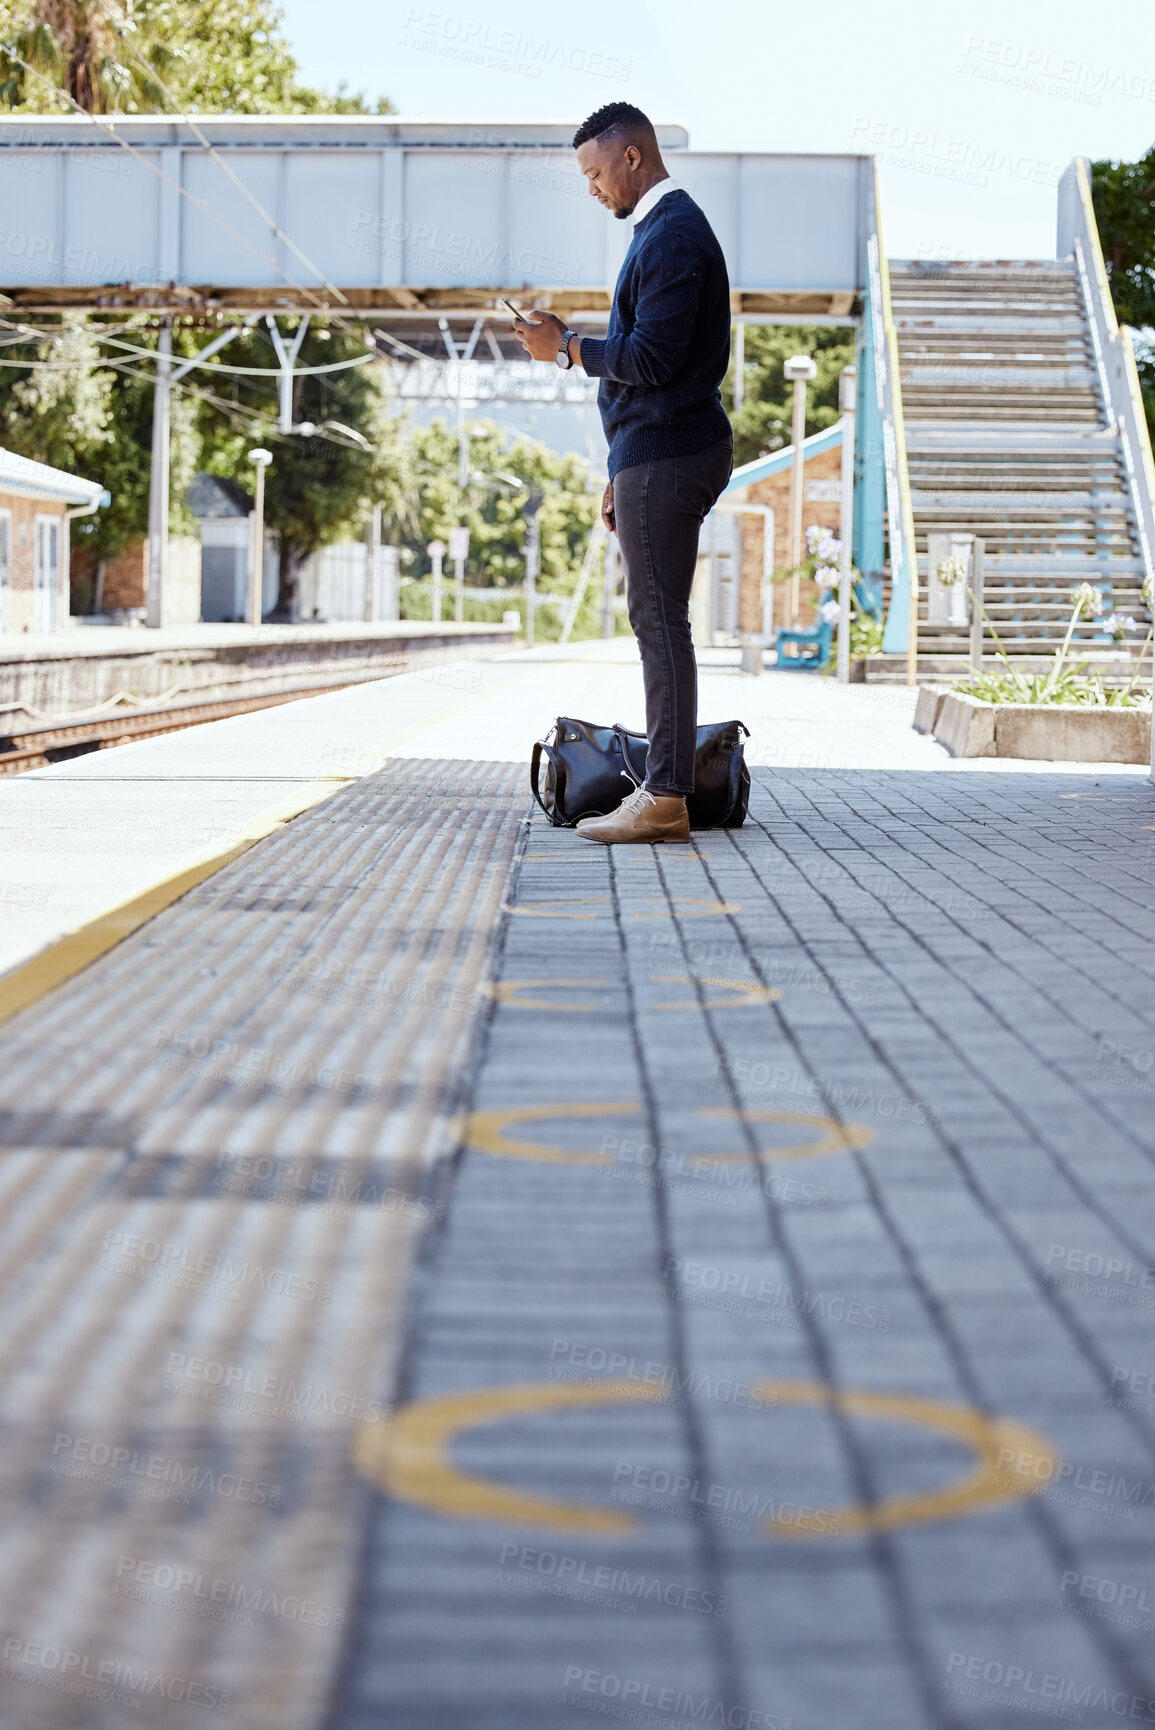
(542,338)
(608,509)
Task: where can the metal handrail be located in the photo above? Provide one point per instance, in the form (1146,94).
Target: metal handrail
(1114,354)
(899,509)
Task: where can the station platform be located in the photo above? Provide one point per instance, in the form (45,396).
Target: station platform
(460,1276)
(59,673)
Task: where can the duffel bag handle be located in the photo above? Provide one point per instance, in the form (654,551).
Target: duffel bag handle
(558,822)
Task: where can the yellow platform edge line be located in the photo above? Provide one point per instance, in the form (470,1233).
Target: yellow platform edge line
(71,954)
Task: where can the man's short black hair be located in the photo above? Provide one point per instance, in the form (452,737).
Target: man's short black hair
(615,120)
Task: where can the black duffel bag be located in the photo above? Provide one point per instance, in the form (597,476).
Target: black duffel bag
(590,770)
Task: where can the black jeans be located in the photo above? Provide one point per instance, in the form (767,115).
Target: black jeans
(659,508)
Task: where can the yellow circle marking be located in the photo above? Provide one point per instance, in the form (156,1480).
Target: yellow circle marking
(839,1137)
(547,909)
(748,992)
(988,1483)
(486,1132)
(411,1458)
(509,991)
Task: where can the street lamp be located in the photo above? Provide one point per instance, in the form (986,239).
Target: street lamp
(800,369)
(847,394)
(260,460)
(436,551)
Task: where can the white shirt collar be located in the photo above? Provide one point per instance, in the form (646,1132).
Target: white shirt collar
(648,199)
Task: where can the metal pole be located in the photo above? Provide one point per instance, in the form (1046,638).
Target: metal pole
(459,590)
(798,433)
(531,546)
(260,460)
(739,365)
(257,550)
(437,558)
(847,392)
(286,358)
(800,369)
(978,548)
(462,442)
(373,566)
(390,557)
(159,479)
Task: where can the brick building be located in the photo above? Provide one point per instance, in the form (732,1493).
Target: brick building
(766,481)
(37,504)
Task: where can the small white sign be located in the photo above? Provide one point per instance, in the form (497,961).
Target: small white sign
(459,543)
(823,492)
(436,549)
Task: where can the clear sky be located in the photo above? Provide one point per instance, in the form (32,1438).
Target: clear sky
(973,111)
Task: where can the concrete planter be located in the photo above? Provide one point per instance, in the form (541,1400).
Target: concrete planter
(969,727)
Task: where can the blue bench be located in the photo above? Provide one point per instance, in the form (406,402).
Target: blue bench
(815,642)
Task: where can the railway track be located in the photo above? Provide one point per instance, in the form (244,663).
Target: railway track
(38,747)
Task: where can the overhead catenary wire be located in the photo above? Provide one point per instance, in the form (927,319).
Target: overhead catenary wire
(274,227)
(206,208)
(250,420)
(200,204)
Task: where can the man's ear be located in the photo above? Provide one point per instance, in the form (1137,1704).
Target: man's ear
(633,156)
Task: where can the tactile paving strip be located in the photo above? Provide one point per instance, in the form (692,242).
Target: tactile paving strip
(216,1145)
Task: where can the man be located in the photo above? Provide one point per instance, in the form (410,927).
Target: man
(664,355)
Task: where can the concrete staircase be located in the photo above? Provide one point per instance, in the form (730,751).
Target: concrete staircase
(1008,438)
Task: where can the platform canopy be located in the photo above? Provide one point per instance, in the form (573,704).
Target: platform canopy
(396,216)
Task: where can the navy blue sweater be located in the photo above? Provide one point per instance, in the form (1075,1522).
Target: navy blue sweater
(667,345)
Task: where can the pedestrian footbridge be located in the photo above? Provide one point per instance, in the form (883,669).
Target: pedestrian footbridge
(998,400)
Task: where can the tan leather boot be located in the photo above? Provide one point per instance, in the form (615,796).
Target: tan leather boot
(643,817)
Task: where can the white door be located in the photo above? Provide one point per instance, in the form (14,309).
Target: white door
(5,569)
(46,575)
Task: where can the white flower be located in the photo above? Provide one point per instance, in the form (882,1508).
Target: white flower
(814,534)
(826,576)
(1087,601)
(829,550)
(1147,593)
(951,571)
(829,612)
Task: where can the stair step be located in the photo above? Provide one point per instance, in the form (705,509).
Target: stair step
(1000,414)
(1033,444)
(1075,568)
(1059,382)
(1067,505)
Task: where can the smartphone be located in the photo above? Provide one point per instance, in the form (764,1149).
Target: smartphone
(509,307)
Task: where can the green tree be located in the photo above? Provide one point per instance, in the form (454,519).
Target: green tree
(71,400)
(117,56)
(503,472)
(762,424)
(319,487)
(1123,194)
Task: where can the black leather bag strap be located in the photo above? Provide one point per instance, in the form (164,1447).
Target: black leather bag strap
(557,815)
(737,764)
(621,734)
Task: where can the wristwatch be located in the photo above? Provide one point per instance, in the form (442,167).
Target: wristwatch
(561,358)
